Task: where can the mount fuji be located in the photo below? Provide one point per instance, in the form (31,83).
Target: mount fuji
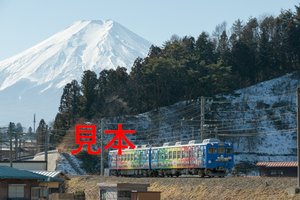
(32,81)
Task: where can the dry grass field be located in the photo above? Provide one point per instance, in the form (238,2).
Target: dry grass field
(195,187)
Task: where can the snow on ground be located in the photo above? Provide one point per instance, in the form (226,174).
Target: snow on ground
(271,112)
(56,161)
(66,167)
(263,117)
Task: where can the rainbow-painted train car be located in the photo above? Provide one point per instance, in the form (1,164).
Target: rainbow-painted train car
(209,157)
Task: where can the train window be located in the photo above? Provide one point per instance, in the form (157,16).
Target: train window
(141,156)
(212,150)
(187,154)
(167,156)
(170,155)
(125,157)
(221,149)
(191,153)
(178,154)
(200,153)
(147,156)
(229,150)
(183,154)
(195,154)
(153,156)
(174,154)
(273,172)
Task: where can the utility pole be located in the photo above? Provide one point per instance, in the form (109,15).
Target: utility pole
(193,133)
(298,133)
(10,151)
(202,117)
(20,147)
(202,121)
(34,123)
(16,144)
(102,151)
(46,148)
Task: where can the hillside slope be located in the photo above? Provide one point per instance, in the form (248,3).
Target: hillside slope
(260,121)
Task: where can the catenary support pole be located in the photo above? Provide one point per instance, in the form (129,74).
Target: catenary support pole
(46,148)
(202,117)
(10,151)
(298,133)
(102,150)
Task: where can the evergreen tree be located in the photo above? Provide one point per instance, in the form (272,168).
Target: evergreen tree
(205,49)
(266,52)
(237,28)
(70,103)
(59,129)
(41,136)
(223,48)
(29,132)
(89,86)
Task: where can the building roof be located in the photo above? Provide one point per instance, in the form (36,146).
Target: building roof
(277,164)
(51,174)
(123,184)
(47,173)
(13,173)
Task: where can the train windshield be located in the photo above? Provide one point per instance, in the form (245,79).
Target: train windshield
(221,149)
(212,150)
(229,150)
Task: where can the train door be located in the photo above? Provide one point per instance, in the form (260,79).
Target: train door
(141,159)
(110,156)
(204,154)
(188,156)
(199,156)
(154,158)
(113,160)
(192,156)
(161,158)
(174,157)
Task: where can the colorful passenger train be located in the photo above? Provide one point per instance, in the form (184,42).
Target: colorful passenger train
(209,157)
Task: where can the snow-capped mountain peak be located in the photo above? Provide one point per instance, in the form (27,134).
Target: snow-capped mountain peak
(48,66)
(84,45)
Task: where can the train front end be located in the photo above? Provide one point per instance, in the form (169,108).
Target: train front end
(219,158)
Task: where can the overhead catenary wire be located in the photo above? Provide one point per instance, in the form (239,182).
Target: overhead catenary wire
(231,124)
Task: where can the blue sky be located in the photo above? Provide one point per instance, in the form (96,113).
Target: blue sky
(25,23)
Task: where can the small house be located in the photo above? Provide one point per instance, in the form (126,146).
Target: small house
(277,169)
(56,184)
(145,195)
(119,191)
(21,184)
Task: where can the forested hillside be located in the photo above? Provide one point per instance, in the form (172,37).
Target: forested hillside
(186,68)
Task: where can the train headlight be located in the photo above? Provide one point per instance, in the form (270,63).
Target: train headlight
(209,161)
